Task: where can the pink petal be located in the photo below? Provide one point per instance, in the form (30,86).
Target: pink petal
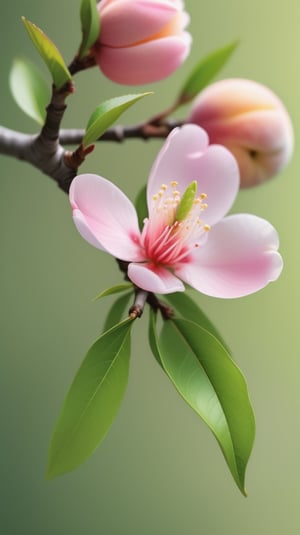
(185,157)
(105,217)
(84,230)
(137,65)
(239,257)
(126,23)
(154,279)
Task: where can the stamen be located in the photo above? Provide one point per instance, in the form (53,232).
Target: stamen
(175,226)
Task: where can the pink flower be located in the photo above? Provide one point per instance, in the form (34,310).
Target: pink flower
(186,237)
(141,41)
(251,121)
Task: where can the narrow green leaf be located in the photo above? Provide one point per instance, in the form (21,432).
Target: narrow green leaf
(115,290)
(203,73)
(50,54)
(211,383)
(153,340)
(106,114)
(90,25)
(92,401)
(29,89)
(189,310)
(141,206)
(117,310)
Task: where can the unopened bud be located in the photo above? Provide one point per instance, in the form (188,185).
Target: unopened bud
(141,41)
(251,121)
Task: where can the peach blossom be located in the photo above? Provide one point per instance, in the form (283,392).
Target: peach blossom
(185,237)
(141,41)
(251,121)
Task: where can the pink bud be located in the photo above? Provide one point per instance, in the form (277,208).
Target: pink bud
(141,41)
(251,121)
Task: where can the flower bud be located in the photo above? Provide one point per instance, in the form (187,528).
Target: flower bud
(141,41)
(251,121)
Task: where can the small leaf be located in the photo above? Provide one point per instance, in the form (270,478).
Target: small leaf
(29,89)
(141,206)
(209,381)
(106,114)
(203,73)
(189,310)
(116,311)
(50,54)
(115,290)
(90,25)
(92,401)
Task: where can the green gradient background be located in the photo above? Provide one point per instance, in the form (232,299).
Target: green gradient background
(159,471)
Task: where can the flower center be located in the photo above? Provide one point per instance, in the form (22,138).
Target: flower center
(175,225)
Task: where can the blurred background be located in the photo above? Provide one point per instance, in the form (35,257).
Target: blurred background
(159,470)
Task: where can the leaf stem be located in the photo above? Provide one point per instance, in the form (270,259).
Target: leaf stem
(139,304)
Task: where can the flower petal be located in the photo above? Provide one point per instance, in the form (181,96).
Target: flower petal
(126,23)
(154,279)
(105,217)
(240,257)
(137,65)
(84,230)
(186,157)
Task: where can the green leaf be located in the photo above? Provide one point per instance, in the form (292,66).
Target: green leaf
(152,334)
(29,89)
(189,310)
(141,206)
(106,114)
(116,311)
(203,73)
(50,54)
(115,290)
(90,25)
(92,401)
(211,383)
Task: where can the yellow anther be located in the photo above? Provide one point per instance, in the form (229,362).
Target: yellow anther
(176,193)
(160,193)
(155,197)
(173,183)
(197,200)
(163,187)
(203,196)
(204,206)
(206,228)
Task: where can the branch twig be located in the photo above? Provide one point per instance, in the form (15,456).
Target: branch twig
(46,151)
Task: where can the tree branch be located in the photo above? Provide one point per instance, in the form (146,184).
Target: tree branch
(120,133)
(46,151)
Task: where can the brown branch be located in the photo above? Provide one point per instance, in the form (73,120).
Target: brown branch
(46,151)
(120,133)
